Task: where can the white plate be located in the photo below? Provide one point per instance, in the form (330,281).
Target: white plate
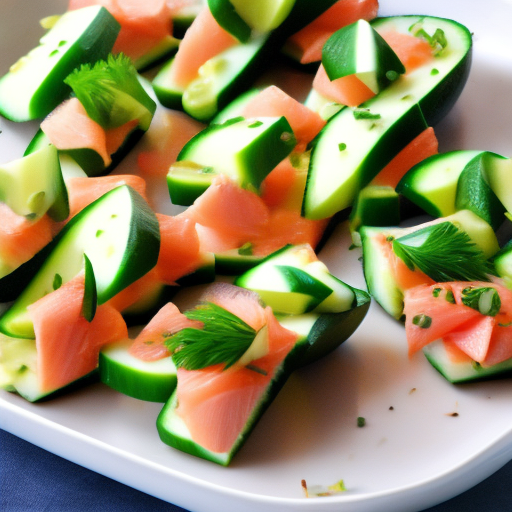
(408,458)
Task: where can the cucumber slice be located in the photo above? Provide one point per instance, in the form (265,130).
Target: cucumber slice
(18,370)
(152,381)
(235,262)
(359,50)
(324,332)
(497,172)
(187,180)
(169,94)
(374,206)
(461,372)
(35,85)
(474,193)
(336,175)
(33,185)
(120,234)
(223,77)
(246,150)
(227,17)
(432,184)
(503,263)
(292,281)
(235,108)
(377,268)
(162,51)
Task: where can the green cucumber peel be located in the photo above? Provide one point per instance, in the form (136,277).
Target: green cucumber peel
(475,194)
(227,17)
(359,50)
(90,291)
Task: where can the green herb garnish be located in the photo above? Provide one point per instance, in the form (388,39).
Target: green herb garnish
(111,93)
(484,300)
(422,321)
(361,422)
(342,146)
(246,249)
(255,124)
(223,339)
(437,41)
(436,292)
(444,253)
(449,297)
(57,281)
(364,113)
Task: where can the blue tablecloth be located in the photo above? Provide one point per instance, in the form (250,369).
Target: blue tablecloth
(33,479)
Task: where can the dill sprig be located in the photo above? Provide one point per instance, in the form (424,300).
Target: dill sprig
(110,91)
(444,253)
(223,339)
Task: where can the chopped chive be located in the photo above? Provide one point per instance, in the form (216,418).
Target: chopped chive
(484,300)
(392,75)
(390,238)
(434,71)
(255,124)
(53,53)
(450,297)
(245,250)
(23,368)
(342,146)
(422,321)
(99,233)
(256,369)
(406,97)
(361,422)
(436,292)
(57,281)
(62,43)
(364,113)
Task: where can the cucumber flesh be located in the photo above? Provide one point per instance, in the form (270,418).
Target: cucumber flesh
(33,185)
(18,370)
(467,371)
(119,233)
(35,85)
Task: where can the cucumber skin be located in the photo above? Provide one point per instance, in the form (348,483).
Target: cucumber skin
(290,363)
(130,385)
(332,329)
(46,98)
